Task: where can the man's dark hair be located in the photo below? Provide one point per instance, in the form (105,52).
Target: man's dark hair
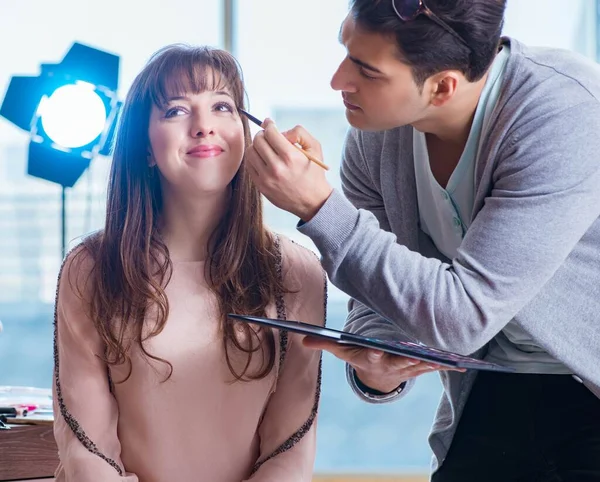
(427,47)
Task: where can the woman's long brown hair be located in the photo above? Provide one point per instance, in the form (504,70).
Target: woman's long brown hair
(131,264)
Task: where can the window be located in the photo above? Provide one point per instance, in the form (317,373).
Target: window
(554,23)
(288,60)
(288,55)
(30,254)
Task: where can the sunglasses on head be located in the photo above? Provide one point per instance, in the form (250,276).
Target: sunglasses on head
(408,10)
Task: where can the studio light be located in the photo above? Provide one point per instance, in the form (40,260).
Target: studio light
(70,112)
(73,116)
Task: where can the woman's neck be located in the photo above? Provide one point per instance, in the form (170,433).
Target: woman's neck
(187,224)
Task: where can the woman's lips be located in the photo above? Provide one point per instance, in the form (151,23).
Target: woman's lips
(205,150)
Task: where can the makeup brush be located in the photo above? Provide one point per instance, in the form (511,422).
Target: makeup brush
(259,123)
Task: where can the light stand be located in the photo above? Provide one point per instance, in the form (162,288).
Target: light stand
(70,111)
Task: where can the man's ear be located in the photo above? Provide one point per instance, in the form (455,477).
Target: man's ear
(443,86)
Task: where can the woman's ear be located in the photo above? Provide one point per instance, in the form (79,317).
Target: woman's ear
(150,158)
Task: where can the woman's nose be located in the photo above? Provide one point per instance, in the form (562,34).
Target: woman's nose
(202,126)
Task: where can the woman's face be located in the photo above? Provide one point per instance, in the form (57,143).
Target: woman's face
(197,142)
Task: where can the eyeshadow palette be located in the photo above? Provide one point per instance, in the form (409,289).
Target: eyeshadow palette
(401,348)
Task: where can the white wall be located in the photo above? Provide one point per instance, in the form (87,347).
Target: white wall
(288,54)
(39,31)
(569,24)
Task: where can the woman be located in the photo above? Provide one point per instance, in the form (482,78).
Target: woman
(152,381)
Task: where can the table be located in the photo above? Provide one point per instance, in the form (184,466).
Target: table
(29,452)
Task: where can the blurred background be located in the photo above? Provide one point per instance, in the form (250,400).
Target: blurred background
(288,52)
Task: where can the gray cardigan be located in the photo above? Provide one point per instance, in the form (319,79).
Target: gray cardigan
(531,253)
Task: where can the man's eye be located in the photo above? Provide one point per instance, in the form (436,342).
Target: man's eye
(365,75)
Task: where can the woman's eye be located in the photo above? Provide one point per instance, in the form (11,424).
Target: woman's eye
(223,107)
(173,112)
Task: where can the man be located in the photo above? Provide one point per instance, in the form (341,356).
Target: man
(470,222)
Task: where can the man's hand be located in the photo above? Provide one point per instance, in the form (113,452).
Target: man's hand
(374,368)
(284,174)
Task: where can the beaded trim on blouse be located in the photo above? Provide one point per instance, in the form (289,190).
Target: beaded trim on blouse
(69,419)
(280,307)
(283,342)
(306,426)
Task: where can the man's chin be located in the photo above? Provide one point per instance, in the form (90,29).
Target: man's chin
(358,120)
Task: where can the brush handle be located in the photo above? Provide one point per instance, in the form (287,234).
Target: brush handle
(311,157)
(259,123)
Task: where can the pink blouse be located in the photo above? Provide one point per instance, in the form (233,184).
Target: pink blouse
(198,425)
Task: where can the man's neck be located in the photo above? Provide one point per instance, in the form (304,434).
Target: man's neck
(450,124)
(447,133)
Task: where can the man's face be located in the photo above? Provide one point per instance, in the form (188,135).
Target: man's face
(378,90)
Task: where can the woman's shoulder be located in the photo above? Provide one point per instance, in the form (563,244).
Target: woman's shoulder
(304,280)
(298,260)
(78,265)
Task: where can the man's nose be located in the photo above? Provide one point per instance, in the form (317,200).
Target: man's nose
(341,79)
